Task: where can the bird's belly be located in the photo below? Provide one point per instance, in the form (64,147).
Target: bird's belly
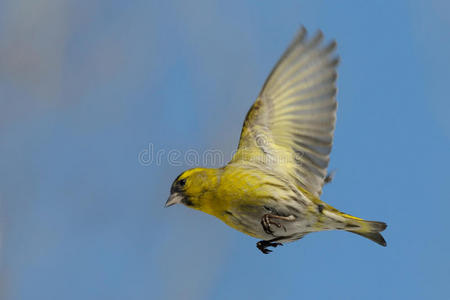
(249,221)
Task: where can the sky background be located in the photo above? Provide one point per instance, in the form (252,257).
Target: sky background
(85,86)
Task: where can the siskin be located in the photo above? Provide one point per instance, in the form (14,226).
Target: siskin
(270,189)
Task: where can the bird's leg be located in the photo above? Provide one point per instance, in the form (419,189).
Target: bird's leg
(268,219)
(262,246)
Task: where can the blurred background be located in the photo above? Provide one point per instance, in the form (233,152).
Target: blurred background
(90,89)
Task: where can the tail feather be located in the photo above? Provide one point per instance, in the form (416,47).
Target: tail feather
(370,230)
(373,236)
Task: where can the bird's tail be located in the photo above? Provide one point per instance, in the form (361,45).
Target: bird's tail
(367,229)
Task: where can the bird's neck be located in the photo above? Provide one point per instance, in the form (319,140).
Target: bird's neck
(204,188)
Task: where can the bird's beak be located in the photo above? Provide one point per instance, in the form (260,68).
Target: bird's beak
(174,198)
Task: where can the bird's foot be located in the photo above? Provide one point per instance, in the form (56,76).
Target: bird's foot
(329,177)
(269,219)
(262,246)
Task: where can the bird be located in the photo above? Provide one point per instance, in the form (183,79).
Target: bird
(271,188)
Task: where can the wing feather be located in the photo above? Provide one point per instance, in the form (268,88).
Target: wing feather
(290,126)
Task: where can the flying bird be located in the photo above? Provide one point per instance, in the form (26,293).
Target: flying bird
(271,188)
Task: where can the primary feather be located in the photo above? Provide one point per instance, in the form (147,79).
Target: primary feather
(291,124)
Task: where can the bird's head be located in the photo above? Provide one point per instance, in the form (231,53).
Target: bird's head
(192,186)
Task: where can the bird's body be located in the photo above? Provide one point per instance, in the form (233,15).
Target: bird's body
(271,188)
(241,195)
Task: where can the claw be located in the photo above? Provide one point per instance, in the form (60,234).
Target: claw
(267,220)
(262,246)
(329,177)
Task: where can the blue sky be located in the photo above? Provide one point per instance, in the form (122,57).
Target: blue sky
(87,86)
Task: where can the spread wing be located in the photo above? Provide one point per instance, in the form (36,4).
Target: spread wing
(290,126)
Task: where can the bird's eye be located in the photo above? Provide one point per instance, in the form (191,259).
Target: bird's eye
(182,182)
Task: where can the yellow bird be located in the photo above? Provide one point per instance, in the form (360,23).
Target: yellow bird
(270,189)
